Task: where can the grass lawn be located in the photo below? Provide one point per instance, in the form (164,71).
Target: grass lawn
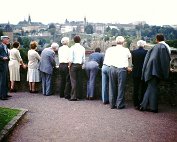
(6,115)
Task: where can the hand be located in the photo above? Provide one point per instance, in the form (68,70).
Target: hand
(129,69)
(5,58)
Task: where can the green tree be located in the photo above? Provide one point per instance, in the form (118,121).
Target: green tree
(1,32)
(89,29)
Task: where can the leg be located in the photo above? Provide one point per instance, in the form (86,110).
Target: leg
(105,84)
(122,75)
(112,87)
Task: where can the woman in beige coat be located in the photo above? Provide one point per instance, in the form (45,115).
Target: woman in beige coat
(33,64)
(14,65)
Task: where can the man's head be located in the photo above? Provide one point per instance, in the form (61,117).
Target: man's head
(65,41)
(97,50)
(5,39)
(141,43)
(120,40)
(159,37)
(54,46)
(77,39)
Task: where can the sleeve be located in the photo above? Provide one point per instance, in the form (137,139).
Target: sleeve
(164,62)
(17,54)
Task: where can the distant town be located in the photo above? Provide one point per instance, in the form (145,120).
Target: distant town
(93,34)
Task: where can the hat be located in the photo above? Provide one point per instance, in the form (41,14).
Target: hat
(64,40)
(2,37)
(141,43)
(120,39)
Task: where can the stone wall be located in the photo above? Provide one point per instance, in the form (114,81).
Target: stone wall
(167,95)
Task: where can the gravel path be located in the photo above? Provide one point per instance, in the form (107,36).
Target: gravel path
(54,119)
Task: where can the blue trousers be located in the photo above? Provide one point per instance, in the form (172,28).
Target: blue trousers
(105,83)
(46,84)
(91,68)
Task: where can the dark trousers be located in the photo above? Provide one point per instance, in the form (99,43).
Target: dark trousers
(4,82)
(151,94)
(117,80)
(64,81)
(76,81)
(139,88)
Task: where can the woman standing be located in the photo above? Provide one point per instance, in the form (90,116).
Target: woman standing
(14,65)
(33,64)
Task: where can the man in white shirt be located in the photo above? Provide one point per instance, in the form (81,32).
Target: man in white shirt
(76,59)
(118,73)
(64,78)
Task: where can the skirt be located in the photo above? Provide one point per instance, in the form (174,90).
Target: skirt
(33,75)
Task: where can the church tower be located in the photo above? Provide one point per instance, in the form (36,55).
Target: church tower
(29,19)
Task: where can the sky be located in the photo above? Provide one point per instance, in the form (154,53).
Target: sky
(154,12)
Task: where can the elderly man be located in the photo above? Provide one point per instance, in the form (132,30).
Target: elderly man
(139,86)
(4,60)
(64,78)
(118,73)
(155,68)
(76,60)
(46,65)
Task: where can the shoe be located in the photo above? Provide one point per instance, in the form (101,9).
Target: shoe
(8,96)
(137,107)
(154,111)
(113,106)
(141,109)
(91,98)
(3,98)
(13,90)
(34,92)
(73,99)
(122,107)
(105,103)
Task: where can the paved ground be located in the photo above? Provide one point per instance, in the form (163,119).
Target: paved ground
(52,119)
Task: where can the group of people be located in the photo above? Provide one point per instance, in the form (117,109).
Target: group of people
(147,67)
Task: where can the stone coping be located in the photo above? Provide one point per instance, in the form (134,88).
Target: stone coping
(10,126)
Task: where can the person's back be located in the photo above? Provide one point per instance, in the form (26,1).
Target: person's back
(47,61)
(138,57)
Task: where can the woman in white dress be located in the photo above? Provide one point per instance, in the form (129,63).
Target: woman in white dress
(14,65)
(33,75)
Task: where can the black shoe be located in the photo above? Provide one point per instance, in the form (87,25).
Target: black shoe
(122,107)
(154,111)
(141,109)
(13,90)
(105,103)
(3,98)
(113,106)
(8,96)
(73,99)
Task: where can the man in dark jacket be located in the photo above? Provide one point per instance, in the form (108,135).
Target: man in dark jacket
(156,67)
(4,60)
(139,86)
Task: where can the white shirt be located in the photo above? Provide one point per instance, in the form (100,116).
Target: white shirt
(33,59)
(63,54)
(77,54)
(119,56)
(107,57)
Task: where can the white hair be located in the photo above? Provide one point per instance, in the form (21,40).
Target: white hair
(54,45)
(120,39)
(65,40)
(141,43)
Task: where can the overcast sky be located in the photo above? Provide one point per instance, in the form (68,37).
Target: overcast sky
(154,12)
